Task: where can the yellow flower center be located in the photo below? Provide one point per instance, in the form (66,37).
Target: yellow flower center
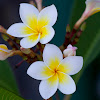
(37,26)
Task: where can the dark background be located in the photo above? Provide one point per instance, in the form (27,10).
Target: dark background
(88,87)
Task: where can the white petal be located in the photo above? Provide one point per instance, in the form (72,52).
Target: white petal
(47,34)
(30,41)
(66,84)
(51,52)
(28,14)
(19,30)
(71,65)
(38,70)
(93,5)
(47,88)
(48,15)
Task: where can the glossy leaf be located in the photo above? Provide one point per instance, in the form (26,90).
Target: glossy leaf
(88,45)
(7,79)
(7,95)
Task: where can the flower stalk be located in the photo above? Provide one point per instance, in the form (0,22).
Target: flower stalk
(78,34)
(39,4)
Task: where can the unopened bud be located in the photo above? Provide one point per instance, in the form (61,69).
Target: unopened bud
(70,51)
(4,52)
(83,26)
(25,51)
(68,28)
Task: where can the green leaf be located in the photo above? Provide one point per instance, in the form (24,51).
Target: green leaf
(88,45)
(7,95)
(7,79)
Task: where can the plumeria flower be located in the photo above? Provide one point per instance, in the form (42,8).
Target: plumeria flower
(55,71)
(70,51)
(92,7)
(4,52)
(36,26)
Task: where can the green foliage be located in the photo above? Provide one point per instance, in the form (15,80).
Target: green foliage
(7,79)
(7,95)
(88,45)
(8,86)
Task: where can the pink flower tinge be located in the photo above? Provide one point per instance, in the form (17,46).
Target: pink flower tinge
(70,51)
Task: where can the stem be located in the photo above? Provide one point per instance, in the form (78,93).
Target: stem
(39,4)
(57,96)
(79,22)
(16,52)
(10,39)
(40,47)
(76,39)
(68,97)
(69,37)
(73,33)
(17,65)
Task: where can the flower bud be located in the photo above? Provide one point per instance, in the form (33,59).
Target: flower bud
(25,51)
(4,52)
(70,51)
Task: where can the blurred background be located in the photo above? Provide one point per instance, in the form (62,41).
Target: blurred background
(69,11)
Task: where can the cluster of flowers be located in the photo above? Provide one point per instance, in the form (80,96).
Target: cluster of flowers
(54,71)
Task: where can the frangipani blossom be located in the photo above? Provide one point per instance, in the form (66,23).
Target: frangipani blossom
(36,26)
(92,7)
(70,51)
(4,52)
(55,71)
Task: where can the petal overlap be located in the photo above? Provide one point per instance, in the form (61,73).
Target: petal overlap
(29,42)
(19,30)
(66,84)
(48,87)
(50,53)
(38,70)
(71,65)
(48,16)
(47,33)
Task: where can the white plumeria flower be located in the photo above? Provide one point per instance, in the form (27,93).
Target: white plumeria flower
(54,71)
(4,52)
(92,7)
(36,26)
(70,51)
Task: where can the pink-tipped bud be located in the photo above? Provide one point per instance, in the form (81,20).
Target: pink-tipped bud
(70,51)
(25,51)
(4,52)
